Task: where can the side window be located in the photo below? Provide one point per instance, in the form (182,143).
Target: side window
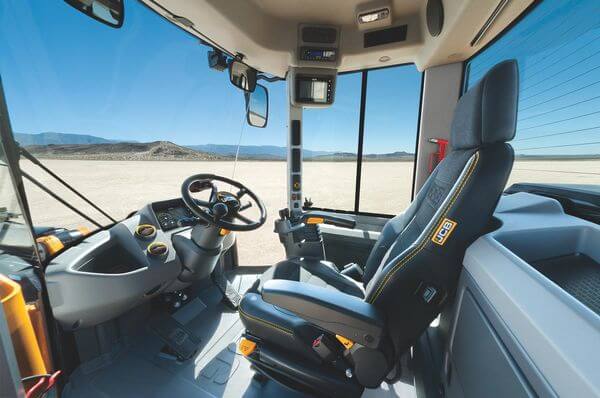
(376,177)
(558,129)
(390,136)
(16,238)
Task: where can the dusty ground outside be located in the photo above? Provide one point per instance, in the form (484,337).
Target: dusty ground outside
(121,187)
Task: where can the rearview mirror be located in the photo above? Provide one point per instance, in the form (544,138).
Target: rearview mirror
(242,76)
(109,12)
(257,107)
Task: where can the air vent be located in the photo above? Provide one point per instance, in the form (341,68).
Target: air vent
(157,249)
(145,231)
(385,36)
(320,35)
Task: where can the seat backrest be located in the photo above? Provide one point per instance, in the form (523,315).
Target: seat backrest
(414,267)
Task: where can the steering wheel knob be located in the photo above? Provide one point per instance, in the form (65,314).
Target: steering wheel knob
(219,210)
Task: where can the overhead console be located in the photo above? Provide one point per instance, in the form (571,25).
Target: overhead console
(318,46)
(312,79)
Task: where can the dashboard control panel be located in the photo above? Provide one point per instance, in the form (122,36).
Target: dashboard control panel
(173,214)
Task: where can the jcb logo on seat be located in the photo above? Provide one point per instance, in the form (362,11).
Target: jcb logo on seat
(443,232)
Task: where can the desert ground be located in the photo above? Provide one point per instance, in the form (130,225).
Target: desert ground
(120,187)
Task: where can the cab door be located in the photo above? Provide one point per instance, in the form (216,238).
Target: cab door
(25,348)
(359,156)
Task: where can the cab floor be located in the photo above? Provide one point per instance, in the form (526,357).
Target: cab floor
(136,367)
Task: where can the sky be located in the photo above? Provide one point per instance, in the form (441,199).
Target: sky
(557,47)
(149,80)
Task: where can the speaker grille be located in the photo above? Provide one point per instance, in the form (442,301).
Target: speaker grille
(312,34)
(385,36)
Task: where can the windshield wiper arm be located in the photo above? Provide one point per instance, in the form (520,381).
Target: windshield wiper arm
(61,200)
(55,196)
(35,161)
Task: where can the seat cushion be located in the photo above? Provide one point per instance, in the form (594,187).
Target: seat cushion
(313,271)
(279,327)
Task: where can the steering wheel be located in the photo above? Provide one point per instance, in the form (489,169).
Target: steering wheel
(222,208)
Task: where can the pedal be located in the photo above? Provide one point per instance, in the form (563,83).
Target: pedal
(175,299)
(179,340)
(231,297)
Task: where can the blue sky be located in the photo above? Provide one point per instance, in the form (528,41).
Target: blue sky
(557,47)
(150,81)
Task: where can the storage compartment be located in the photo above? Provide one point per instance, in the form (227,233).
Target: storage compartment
(113,259)
(577,273)
(569,256)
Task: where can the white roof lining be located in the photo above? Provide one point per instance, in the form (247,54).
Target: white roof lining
(265,31)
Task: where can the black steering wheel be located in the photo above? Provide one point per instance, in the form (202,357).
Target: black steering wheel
(222,208)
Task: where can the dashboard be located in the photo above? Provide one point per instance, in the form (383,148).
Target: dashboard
(172,214)
(116,269)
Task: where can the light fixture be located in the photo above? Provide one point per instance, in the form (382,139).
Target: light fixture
(183,20)
(373,16)
(384,58)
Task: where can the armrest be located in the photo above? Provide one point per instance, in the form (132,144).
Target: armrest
(334,311)
(321,217)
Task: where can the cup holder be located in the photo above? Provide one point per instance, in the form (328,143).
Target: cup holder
(145,231)
(157,249)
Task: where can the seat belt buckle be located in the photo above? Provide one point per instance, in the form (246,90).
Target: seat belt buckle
(324,347)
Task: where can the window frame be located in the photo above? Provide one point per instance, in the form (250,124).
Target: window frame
(359,148)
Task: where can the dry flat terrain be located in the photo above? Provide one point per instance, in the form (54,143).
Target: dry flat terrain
(121,187)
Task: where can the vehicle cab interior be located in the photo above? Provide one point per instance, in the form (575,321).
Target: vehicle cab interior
(482,284)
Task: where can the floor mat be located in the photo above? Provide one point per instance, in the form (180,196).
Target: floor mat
(136,368)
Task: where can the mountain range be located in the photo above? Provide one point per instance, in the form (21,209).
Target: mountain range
(75,146)
(156,150)
(254,151)
(72,146)
(59,139)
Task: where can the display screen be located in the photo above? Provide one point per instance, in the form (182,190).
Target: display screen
(318,54)
(313,90)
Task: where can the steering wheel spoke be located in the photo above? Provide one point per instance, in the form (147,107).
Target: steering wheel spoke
(245,207)
(244,219)
(202,203)
(213,193)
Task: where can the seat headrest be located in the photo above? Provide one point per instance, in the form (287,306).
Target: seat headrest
(487,112)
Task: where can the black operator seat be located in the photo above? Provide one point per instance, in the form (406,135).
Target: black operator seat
(412,269)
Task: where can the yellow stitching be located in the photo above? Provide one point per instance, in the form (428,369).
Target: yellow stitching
(424,242)
(265,322)
(418,249)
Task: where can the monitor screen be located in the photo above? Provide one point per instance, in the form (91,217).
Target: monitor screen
(313,90)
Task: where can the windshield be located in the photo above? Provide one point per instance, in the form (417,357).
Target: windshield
(125,115)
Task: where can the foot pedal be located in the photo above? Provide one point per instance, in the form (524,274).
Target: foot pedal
(231,297)
(178,339)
